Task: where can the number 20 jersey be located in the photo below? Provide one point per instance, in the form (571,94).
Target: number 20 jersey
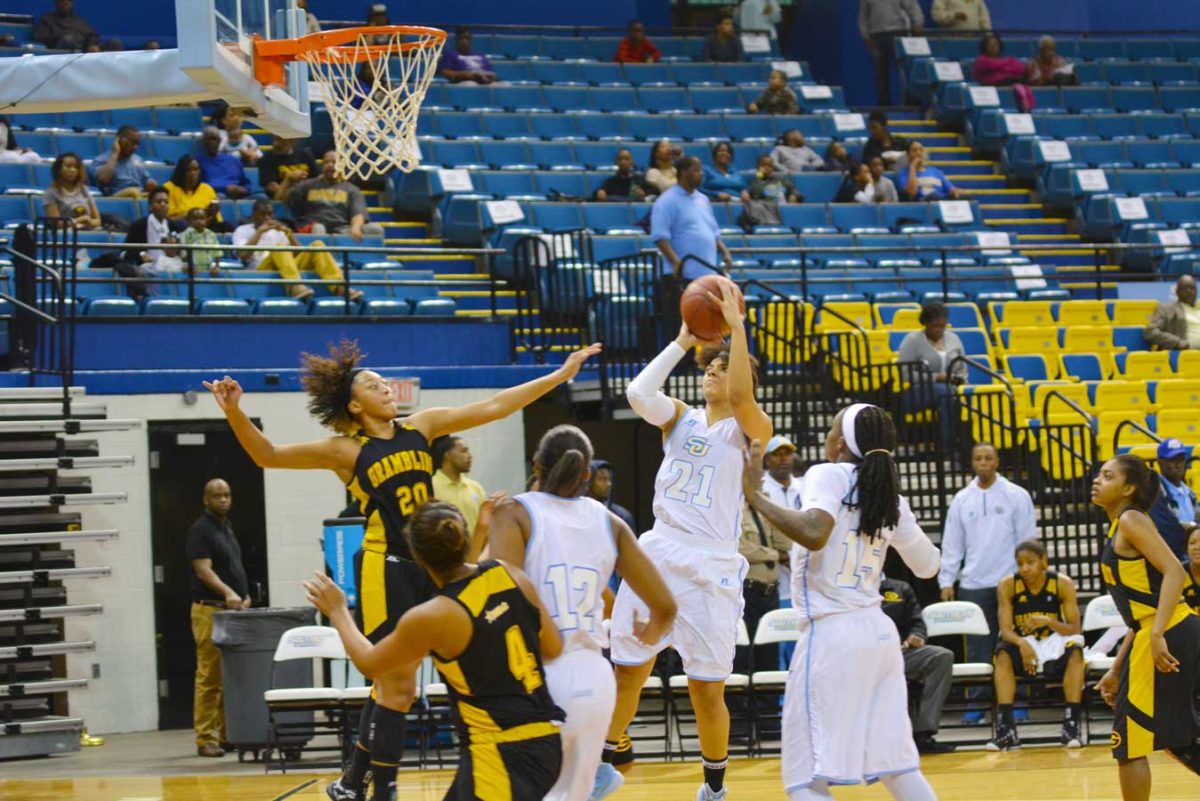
(698,489)
(392,479)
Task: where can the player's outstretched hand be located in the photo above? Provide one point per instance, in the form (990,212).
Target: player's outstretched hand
(728,301)
(574,362)
(752,471)
(324,594)
(1107,687)
(227,392)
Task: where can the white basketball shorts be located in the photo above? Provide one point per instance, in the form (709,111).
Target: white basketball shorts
(581,683)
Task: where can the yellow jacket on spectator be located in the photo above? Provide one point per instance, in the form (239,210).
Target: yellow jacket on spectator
(180,201)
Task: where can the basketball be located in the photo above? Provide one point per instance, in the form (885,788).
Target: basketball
(703,314)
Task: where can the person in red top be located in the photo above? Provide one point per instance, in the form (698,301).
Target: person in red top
(636,48)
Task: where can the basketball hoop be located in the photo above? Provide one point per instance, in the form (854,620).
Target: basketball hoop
(374,80)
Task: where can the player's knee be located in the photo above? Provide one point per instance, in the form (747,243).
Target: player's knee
(396,693)
(707,693)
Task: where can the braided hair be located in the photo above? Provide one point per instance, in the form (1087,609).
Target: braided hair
(326,379)
(563,456)
(876,492)
(437,535)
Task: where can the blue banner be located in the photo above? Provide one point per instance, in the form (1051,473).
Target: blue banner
(343,538)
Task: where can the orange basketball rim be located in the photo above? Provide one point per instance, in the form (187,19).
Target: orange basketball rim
(271,56)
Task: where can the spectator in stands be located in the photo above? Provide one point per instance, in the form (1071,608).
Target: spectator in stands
(1191,590)
(600,488)
(1175,325)
(879,23)
(1048,68)
(138,261)
(68,197)
(881,143)
(931,666)
(760,588)
(723,44)
(188,191)
(919,181)
(682,224)
(311,23)
(760,15)
(121,172)
(218,581)
(885,190)
(722,182)
(242,145)
(285,159)
(777,98)
(264,230)
(328,203)
(61,29)
(935,348)
(152,44)
(1040,635)
(766,184)
(662,174)
(1176,512)
(792,156)
(377,15)
(626,183)
(961,15)
(635,48)
(859,187)
(450,481)
(9,149)
(993,68)
(460,65)
(198,233)
(985,522)
(222,171)
(837,159)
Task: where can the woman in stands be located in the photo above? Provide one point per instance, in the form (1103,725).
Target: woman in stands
(934,350)
(920,181)
(722,182)
(188,191)
(386,464)
(1153,684)
(1191,590)
(570,545)
(662,174)
(67,197)
(488,635)
(845,710)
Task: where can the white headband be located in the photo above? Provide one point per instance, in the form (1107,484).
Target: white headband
(848,426)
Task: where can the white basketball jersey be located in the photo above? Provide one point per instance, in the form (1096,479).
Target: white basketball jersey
(698,489)
(570,556)
(845,574)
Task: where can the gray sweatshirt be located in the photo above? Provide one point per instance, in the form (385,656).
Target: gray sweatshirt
(916,348)
(888,16)
(796,159)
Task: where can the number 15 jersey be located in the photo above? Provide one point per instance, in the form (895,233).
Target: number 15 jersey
(698,489)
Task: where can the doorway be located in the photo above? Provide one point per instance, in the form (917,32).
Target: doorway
(184,455)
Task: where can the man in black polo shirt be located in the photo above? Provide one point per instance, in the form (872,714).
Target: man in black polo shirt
(218,582)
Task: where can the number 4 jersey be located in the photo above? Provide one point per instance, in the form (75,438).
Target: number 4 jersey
(570,556)
(845,574)
(698,489)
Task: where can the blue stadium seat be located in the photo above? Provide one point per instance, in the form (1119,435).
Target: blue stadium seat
(16,175)
(750,126)
(572,184)
(650,127)
(224,307)
(170,148)
(557,216)
(141,118)
(738,73)
(603,216)
(1144,49)
(1179,98)
(386,307)
(330,306)
(553,126)
(605,248)
(700,126)
(695,74)
(1064,126)
(16,209)
(501,154)
(1183,182)
(648,74)
(818,187)
(452,154)
(803,216)
(179,119)
(518,98)
(603,126)
(86,120)
(120,206)
(30,122)
(280,307)
(1092,49)
(165,307)
(1134,98)
(1161,126)
(85,145)
(600,74)
(706,100)
(111,307)
(1086,98)
(435,307)
(506,183)
(612,99)
(504,126)
(894,215)
(849,216)
(460,124)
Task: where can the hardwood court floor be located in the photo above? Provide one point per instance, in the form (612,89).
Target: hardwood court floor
(1034,774)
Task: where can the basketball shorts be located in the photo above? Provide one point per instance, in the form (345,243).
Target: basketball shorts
(388,586)
(707,586)
(1053,654)
(845,708)
(524,770)
(1157,710)
(581,683)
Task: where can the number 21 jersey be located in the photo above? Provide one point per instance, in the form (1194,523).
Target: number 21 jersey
(698,489)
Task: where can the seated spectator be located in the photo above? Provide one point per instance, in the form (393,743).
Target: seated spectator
(121,172)
(769,185)
(635,48)
(188,191)
(760,15)
(661,174)
(721,181)
(837,159)
(961,15)
(61,29)
(723,44)
(880,141)
(222,171)
(885,190)
(285,159)
(9,149)
(625,183)
(600,488)
(67,197)
(311,23)
(793,156)
(152,44)
(263,229)
(859,187)
(1040,634)
(777,98)
(328,203)
(935,349)
(921,181)
(197,232)
(1176,512)
(377,16)
(993,68)
(1048,68)
(930,666)
(239,144)
(1191,590)
(460,65)
(1175,325)
(153,229)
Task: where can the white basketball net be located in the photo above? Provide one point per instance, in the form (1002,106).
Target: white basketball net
(374,89)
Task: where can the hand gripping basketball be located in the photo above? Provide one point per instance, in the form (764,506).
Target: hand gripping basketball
(711,307)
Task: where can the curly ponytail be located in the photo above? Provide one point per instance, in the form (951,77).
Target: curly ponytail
(437,536)
(327,381)
(563,457)
(876,490)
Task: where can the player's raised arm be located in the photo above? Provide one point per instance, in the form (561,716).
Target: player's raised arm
(644,392)
(753,421)
(809,528)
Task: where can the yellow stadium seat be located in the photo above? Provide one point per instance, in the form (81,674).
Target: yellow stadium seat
(1065,445)
(1188,365)
(785,333)
(990,414)
(1177,393)
(1020,313)
(834,316)
(1089,339)
(1107,424)
(1152,365)
(1132,312)
(1083,312)
(1043,390)
(1131,397)
(1183,424)
(906,320)
(885,314)
(1032,339)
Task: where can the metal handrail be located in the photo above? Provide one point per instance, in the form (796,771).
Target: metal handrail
(1136,426)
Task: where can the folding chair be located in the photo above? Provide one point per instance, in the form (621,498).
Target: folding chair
(736,686)
(293,712)
(776,626)
(1100,615)
(957,619)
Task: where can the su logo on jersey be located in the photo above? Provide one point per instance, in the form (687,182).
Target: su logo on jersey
(696,445)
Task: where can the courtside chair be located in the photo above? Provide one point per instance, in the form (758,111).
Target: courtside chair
(741,711)
(960,619)
(297,715)
(777,626)
(1100,615)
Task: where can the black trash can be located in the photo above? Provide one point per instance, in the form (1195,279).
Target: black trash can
(247,640)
